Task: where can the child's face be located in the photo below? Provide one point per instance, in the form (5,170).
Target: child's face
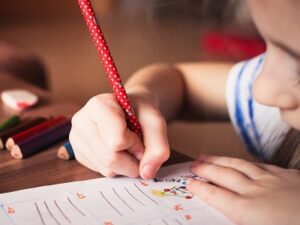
(279,81)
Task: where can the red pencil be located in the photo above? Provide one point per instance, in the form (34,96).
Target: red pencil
(25,124)
(109,65)
(34,131)
(41,141)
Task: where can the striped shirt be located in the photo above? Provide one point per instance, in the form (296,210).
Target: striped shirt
(259,126)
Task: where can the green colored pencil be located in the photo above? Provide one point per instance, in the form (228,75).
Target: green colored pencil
(9,123)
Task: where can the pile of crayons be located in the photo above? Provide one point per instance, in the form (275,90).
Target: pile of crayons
(28,136)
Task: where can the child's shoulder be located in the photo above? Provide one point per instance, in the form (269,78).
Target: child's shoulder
(259,126)
(247,70)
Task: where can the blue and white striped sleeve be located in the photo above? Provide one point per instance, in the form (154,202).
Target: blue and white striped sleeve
(259,126)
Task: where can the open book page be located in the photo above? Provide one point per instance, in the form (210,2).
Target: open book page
(111,201)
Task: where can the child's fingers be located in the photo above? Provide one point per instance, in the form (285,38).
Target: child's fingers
(84,155)
(136,147)
(270,168)
(248,168)
(155,139)
(99,168)
(219,198)
(228,178)
(122,163)
(98,152)
(111,124)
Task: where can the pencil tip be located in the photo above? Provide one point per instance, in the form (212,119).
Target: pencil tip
(10,144)
(62,153)
(16,152)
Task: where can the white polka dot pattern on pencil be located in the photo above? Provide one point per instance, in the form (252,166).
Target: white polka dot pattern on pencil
(108,63)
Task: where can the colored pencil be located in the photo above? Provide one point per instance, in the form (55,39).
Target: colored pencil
(24,125)
(109,65)
(9,123)
(41,141)
(66,152)
(18,138)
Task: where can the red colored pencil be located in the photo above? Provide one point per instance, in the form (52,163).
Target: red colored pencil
(34,131)
(109,65)
(42,140)
(25,124)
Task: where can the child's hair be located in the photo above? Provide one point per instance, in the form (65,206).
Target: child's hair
(288,154)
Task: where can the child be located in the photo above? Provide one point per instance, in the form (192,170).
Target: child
(248,193)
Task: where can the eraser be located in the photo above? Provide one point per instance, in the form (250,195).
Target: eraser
(19,99)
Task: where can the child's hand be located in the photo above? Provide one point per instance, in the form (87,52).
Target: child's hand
(103,143)
(248,193)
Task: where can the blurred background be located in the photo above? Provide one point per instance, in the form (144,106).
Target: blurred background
(53,35)
(139,32)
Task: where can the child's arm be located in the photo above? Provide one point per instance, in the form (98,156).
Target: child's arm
(193,90)
(100,136)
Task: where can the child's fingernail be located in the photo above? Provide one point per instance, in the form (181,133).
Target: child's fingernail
(148,171)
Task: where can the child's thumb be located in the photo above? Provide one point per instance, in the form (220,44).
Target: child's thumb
(157,150)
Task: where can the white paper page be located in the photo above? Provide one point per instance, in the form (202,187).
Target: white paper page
(111,201)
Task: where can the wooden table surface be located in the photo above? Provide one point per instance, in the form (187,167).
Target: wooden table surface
(44,168)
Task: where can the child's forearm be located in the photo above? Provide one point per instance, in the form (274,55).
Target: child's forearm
(163,83)
(205,88)
(193,90)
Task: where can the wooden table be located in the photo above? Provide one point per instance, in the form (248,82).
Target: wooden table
(44,168)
